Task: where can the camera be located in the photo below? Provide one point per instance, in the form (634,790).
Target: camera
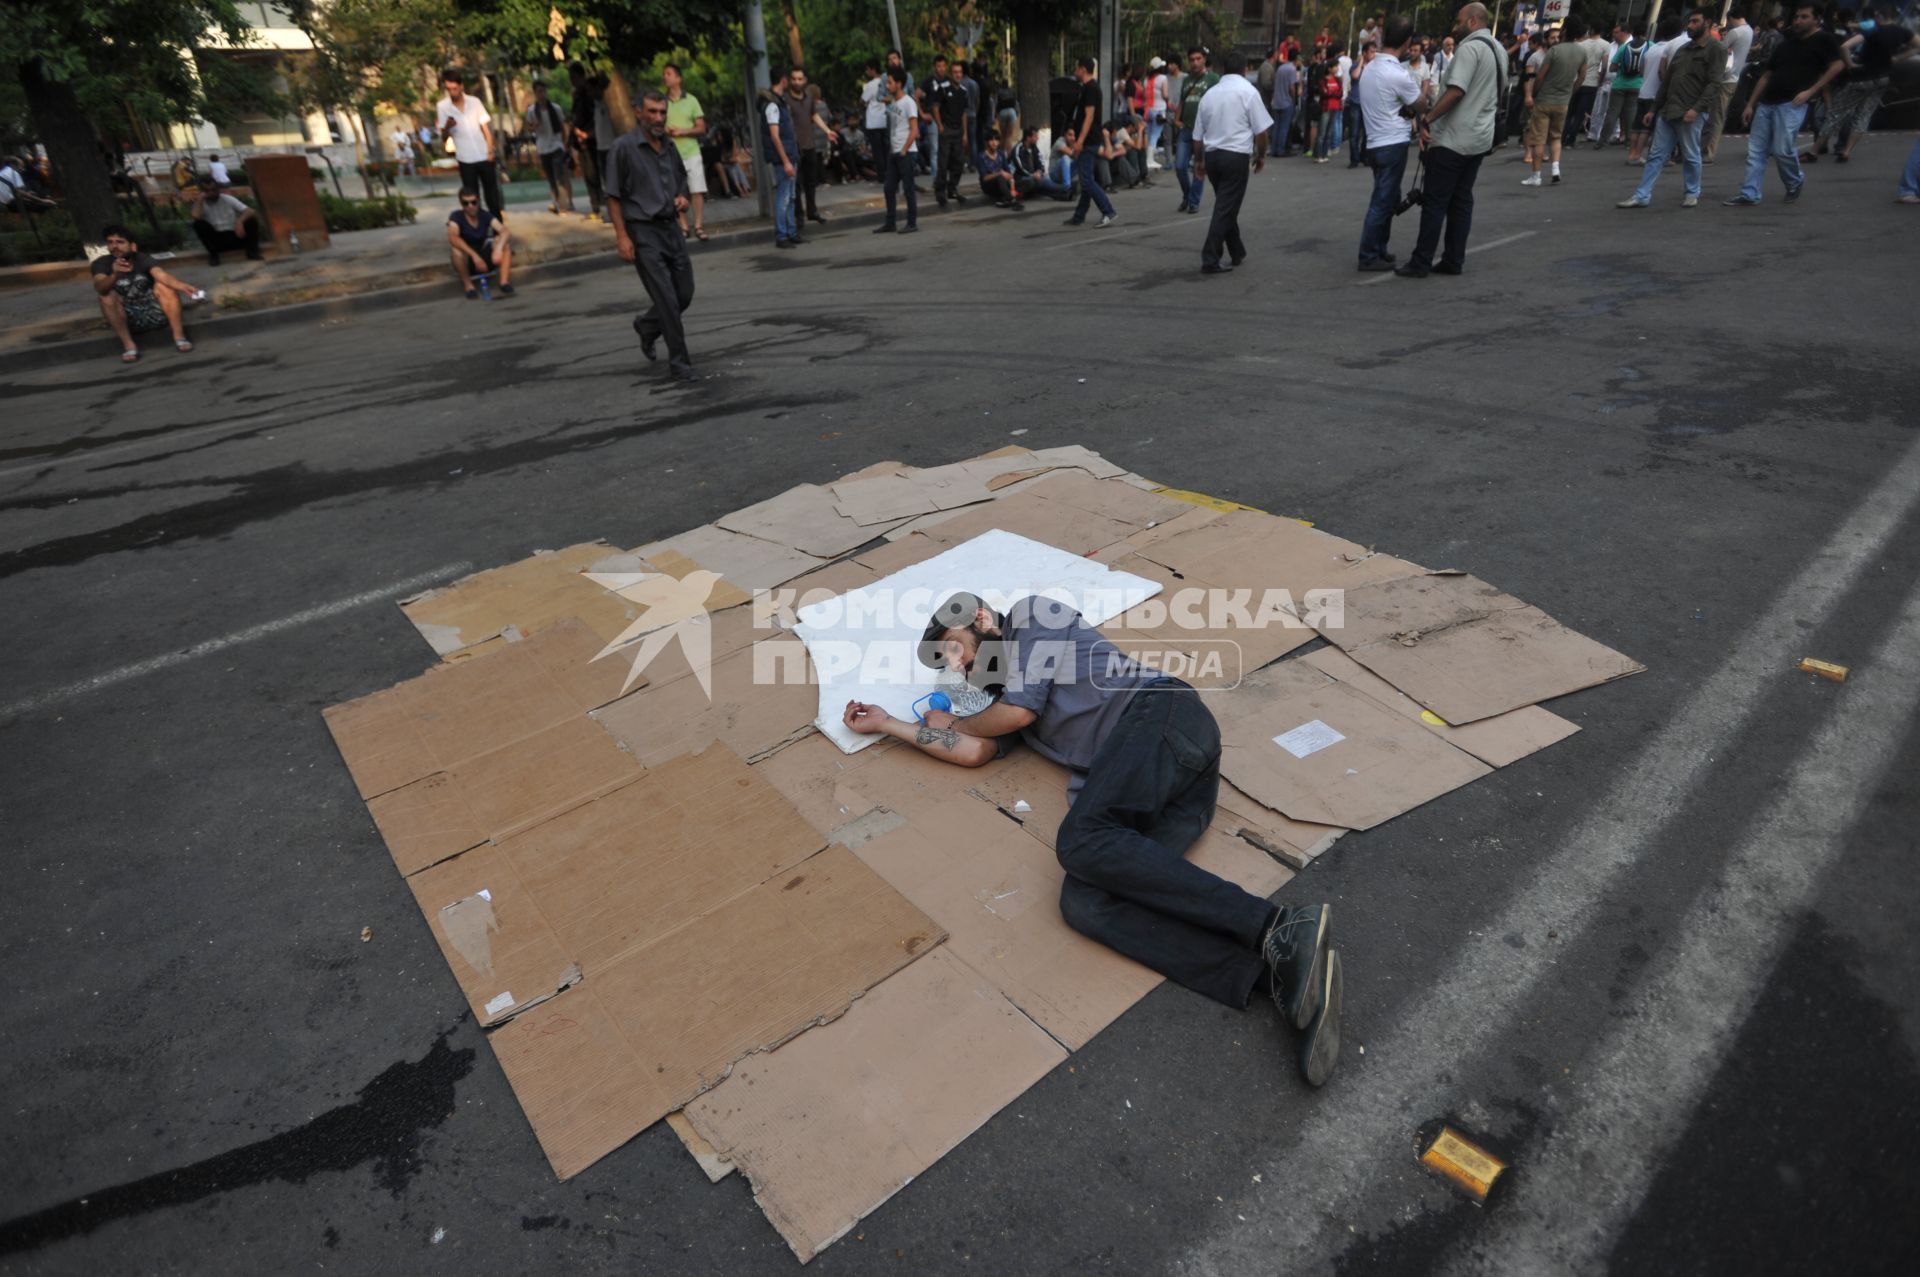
(1414,196)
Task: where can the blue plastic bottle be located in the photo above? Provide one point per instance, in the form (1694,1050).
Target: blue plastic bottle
(938,701)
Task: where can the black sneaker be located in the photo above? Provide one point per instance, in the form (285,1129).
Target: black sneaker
(909,229)
(885,228)
(1792,195)
(1295,950)
(647,343)
(1320,1049)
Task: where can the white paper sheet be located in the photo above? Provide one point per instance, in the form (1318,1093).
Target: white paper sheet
(864,643)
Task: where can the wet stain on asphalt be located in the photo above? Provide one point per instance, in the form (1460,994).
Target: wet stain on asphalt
(264,494)
(383,1127)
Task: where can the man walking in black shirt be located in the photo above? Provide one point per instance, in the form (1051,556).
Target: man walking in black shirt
(646,188)
(1797,71)
(1086,128)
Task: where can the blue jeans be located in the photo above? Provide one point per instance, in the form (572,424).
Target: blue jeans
(783,187)
(1775,136)
(930,147)
(1061,172)
(1356,133)
(1389,164)
(1331,130)
(1910,177)
(1282,126)
(1668,134)
(1190,190)
(1090,192)
(1155,123)
(1148,796)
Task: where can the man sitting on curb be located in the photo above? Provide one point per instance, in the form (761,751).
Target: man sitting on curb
(223,223)
(479,240)
(136,295)
(996,178)
(1144,753)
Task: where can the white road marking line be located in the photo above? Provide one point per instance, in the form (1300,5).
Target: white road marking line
(153,665)
(1471,250)
(1653,1069)
(1359,1136)
(1094,235)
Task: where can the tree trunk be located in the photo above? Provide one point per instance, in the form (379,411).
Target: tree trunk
(793,35)
(1032,58)
(74,150)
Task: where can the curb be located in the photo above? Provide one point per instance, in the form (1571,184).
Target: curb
(870,211)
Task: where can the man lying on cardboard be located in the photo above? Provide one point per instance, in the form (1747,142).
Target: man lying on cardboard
(1144,752)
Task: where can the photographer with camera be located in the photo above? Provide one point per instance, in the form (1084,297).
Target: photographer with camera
(1456,134)
(1386,96)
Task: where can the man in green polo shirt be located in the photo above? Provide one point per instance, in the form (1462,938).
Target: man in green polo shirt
(686,125)
(1193,86)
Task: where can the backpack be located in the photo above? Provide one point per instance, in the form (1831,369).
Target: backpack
(1633,59)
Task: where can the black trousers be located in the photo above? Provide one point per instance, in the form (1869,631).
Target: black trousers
(1579,111)
(666,272)
(1449,186)
(899,172)
(812,174)
(245,235)
(590,170)
(484,178)
(1148,796)
(1227,173)
(953,159)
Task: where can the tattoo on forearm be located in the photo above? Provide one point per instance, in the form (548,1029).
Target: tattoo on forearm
(944,737)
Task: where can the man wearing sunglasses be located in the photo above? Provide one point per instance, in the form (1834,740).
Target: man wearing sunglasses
(479,240)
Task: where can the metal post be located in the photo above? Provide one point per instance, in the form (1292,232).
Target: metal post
(758,82)
(893,23)
(1109,24)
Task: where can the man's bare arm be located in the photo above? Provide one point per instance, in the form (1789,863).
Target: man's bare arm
(997,719)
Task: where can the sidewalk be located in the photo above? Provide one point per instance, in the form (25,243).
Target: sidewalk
(58,321)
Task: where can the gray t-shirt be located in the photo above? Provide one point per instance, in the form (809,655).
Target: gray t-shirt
(1285,77)
(1073,679)
(1475,70)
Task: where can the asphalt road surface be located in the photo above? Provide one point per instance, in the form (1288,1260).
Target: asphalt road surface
(1665,967)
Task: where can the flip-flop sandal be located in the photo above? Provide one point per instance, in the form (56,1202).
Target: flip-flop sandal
(183,345)
(129,356)
(700,233)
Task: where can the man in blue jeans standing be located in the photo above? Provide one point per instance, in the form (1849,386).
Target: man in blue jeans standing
(1799,69)
(1386,96)
(1193,87)
(1689,92)
(1086,127)
(1144,754)
(781,147)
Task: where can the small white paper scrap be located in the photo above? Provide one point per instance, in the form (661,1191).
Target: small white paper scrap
(499,1004)
(486,895)
(1022,805)
(1308,738)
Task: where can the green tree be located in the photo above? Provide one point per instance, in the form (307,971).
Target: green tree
(79,64)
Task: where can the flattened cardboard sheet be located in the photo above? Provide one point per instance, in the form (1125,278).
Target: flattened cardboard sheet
(761,697)
(1293,842)
(812,773)
(1318,751)
(1200,633)
(746,562)
(494,795)
(803,518)
(524,918)
(598,1064)
(1118,501)
(887,498)
(526,596)
(1244,549)
(1496,741)
(1031,515)
(455,711)
(841,1118)
(1467,651)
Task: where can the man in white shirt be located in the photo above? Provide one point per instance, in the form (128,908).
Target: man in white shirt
(403,153)
(1386,93)
(464,119)
(1738,37)
(223,222)
(1587,92)
(550,144)
(873,98)
(217,170)
(1229,141)
(1654,63)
